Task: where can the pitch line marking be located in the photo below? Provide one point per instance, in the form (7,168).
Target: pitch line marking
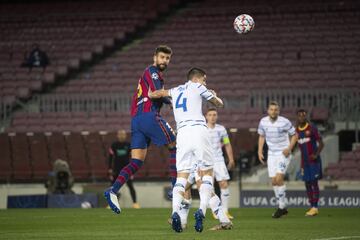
(336,238)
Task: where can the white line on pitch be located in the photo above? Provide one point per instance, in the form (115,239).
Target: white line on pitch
(337,238)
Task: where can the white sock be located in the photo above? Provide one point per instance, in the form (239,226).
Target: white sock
(217,209)
(184,211)
(282,196)
(205,192)
(276,192)
(178,192)
(225,194)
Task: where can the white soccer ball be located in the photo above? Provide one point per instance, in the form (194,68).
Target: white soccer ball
(244,24)
(85,205)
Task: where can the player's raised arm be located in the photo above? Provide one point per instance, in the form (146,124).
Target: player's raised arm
(215,100)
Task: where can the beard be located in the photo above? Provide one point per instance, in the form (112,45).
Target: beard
(161,67)
(273,117)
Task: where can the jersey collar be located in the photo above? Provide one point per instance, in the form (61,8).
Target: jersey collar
(303,128)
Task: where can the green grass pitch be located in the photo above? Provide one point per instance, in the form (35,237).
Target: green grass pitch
(131,224)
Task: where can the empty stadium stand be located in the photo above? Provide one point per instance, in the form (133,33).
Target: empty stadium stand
(302,54)
(347,168)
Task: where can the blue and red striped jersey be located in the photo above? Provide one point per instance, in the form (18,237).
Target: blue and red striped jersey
(141,103)
(308,136)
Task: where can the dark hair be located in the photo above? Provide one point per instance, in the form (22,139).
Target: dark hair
(164,49)
(274,103)
(211,109)
(195,72)
(301,110)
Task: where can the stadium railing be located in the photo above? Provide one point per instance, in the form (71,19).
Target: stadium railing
(343,104)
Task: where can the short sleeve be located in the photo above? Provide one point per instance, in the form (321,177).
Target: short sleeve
(261,130)
(290,128)
(224,136)
(155,82)
(204,92)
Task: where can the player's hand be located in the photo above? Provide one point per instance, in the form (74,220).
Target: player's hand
(286,152)
(231,165)
(261,158)
(313,157)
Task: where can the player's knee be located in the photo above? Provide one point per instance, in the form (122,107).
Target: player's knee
(138,154)
(279,180)
(223,184)
(273,181)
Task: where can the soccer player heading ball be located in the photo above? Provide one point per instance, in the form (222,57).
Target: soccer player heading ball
(146,124)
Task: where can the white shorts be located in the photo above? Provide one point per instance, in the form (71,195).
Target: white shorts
(193,147)
(220,171)
(277,164)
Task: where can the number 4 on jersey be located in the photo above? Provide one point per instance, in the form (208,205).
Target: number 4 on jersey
(183,104)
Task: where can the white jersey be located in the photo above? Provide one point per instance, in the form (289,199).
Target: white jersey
(218,135)
(187,104)
(276,133)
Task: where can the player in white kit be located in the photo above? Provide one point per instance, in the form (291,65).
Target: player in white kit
(276,130)
(219,138)
(193,141)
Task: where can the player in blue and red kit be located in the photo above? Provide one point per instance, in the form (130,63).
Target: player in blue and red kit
(310,144)
(146,125)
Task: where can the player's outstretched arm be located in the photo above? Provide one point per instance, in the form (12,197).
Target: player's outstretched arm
(158,93)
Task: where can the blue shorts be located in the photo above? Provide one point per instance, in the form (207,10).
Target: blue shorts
(312,171)
(150,127)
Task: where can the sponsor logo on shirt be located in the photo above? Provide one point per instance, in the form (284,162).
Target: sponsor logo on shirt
(303,140)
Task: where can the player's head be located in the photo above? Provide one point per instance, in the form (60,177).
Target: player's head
(211,115)
(121,135)
(197,75)
(301,116)
(162,57)
(273,110)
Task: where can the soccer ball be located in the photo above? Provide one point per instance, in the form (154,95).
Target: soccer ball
(244,24)
(85,205)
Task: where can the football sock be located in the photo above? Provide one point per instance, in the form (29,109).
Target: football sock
(309,192)
(225,194)
(217,209)
(205,192)
(315,193)
(276,194)
(126,173)
(184,212)
(178,194)
(282,196)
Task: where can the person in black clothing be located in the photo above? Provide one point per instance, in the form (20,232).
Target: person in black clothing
(36,58)
(119,154)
